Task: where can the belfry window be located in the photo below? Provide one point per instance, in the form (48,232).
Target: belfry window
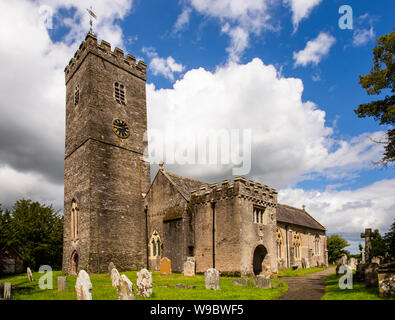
(76,95)
(74,220)
(258,215)
(119,92)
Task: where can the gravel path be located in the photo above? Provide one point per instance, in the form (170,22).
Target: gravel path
(308,287)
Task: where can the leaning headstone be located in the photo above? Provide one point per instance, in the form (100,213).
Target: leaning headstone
(29,274)
(125,289)
(262,282)
(241,282)
(165,266)
(62,283)
(371,276)
(115,276)
(111,266)
(189,267)
(386,279)
(211,278)
(83,286)
(144,283)
(7,291)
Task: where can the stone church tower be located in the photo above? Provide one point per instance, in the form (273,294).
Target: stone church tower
(104,176)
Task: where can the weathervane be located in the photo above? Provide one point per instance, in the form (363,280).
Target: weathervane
(92,15)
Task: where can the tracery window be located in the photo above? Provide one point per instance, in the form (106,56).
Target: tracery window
(280,242)
(119,92)
(296,244)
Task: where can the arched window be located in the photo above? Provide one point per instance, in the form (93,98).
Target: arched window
(296,244)
(119,92)
(280,242)
(74,220)
(317,245)
(156,244)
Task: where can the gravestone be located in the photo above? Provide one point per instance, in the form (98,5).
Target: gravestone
(189,267)
(211,278)
(241,282)
(111,266)
(386,280)
(305,263)
(376,260)
(144,283)
(360,272)
(62,283)
(83,286)
(115,276)
(340,267)
(368,244)
(7,291)
(262,282)
(125,289)
(29,274)
(371,275)
(165,266)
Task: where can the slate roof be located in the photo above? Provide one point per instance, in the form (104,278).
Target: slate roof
(300,217)
(184,185)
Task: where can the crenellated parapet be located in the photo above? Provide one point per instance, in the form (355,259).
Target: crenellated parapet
(240,188)
(103,50)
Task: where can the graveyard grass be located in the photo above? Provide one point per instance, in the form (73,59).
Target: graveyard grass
(22,289)
(358,292)
(299,272)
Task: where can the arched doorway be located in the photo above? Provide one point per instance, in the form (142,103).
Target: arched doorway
(259,254)
(74,263)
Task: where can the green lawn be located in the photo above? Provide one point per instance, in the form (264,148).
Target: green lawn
(22,289)
(300,272)
(358,292)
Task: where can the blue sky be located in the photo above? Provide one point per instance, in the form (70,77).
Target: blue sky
(283,68)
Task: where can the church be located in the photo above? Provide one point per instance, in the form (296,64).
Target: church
(113,213)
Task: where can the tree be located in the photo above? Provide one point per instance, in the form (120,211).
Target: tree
(36,232)
(379,247)
(389,239)
(382,77)
(5,218)
(335,245)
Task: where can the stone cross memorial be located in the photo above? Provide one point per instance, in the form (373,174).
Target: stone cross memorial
(29,274)
(115,276)
(368,244)
(125,289)
(165,266)
(211,278)
(144,283)
(83,286)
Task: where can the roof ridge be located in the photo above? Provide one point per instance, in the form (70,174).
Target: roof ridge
(303,211)
(167,175)
(184,178)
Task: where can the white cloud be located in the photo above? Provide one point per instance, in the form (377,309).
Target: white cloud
(32,109)
(301,9)
(362,36)
(372,206)
(166,67)
(290,138)
(182,20)
(315,50)
(238,18)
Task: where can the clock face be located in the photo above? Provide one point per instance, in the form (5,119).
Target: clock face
(120,128)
